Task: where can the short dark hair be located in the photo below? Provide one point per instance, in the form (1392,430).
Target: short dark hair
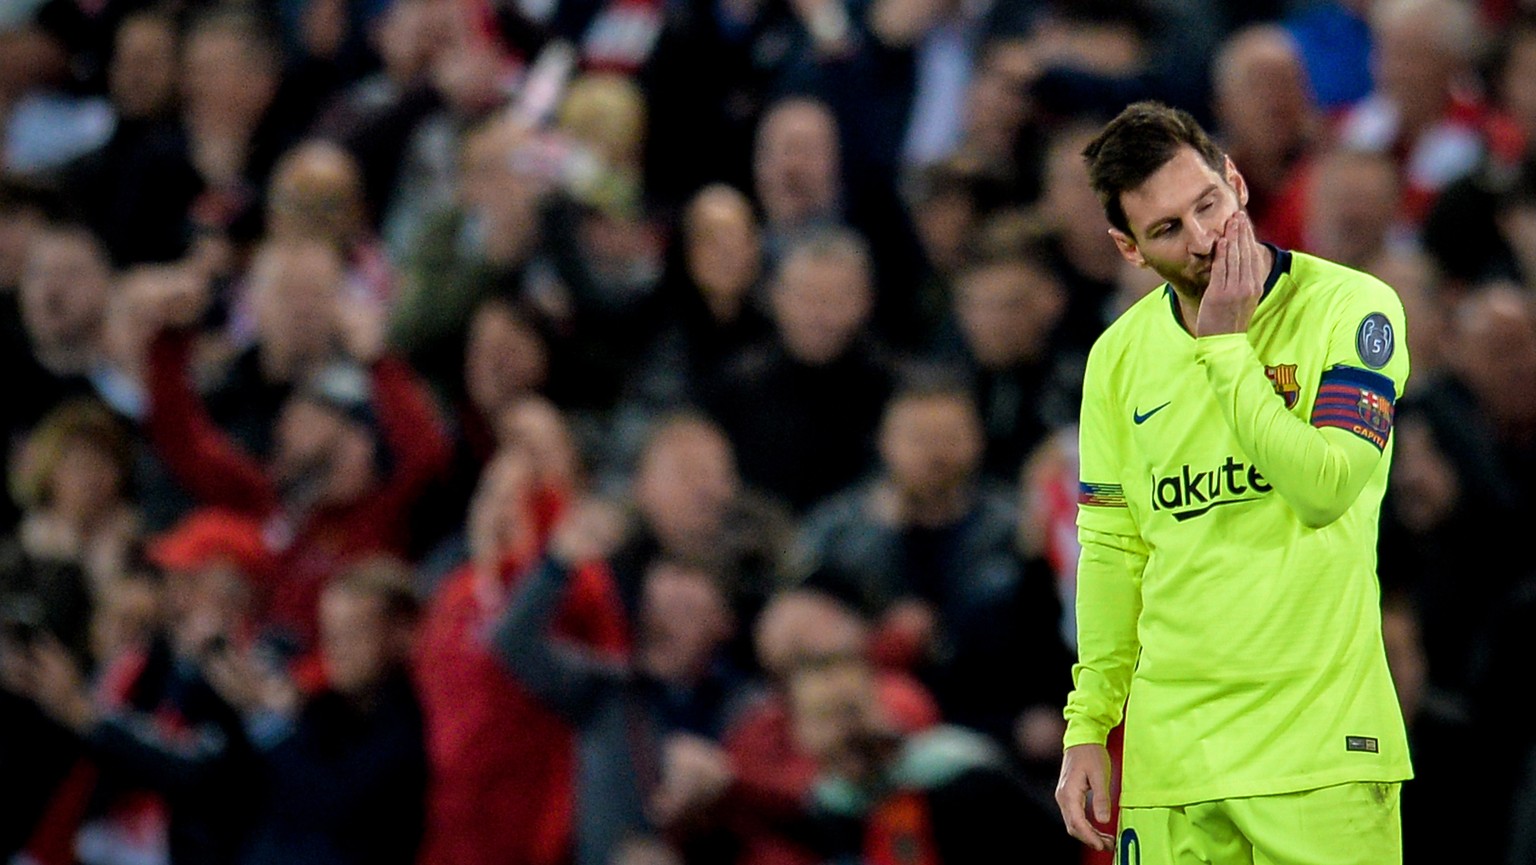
(1135,144)
(921,381)
(255,27)
(387,578)
(1014,236)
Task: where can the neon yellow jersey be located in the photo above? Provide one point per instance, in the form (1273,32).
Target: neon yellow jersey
(1227,594)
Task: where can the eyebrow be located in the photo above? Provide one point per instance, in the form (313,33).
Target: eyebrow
(1169,220)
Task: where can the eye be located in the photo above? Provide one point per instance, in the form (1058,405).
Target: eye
(1206,205)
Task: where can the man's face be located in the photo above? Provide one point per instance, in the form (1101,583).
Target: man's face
(797,164)
(819,305)
(724,248)
(931,444)
(1494,351)
(64,289)
(1413,68)
(683,619)
(1008,311)
(686,483)
(506,358)
(222,77)
(319,450)
(295,294)
(357,639)
(1175,217)
(1354,204)
(142,76)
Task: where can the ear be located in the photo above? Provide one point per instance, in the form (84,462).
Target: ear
(1236,181)
(1127,246)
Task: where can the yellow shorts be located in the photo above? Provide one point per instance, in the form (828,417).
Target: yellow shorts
(1349,824)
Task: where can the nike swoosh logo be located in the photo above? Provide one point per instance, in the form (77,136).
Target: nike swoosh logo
(1140,418)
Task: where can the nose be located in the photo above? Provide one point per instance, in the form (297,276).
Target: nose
(1203,234)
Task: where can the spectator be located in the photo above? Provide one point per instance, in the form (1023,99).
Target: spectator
(1462,229)
(508,363)
(1007,311)
(945,795)
(1466,480)
(1069,211)
(354,446)
(772,776)
(638,722)
(77,495)
(375,117)
(604,244)
(243,106)
(801,185)
(1267,120)
(802,408)
(466,78)
(294,291)
(344,773)
(493,798)
(1417,554)
(713,302)
(998,129)
(169,767)
(1353,213)
(926,549)
(482,245)
(63,302)
(797,170)
(943,38)
(1484,413)
(1424,110)
(25,207)
(137,187)
(690,505)
(316,193)
(946,200)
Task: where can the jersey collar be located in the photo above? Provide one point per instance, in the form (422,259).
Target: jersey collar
(1280,267)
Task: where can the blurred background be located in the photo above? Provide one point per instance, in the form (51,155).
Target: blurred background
(642,431)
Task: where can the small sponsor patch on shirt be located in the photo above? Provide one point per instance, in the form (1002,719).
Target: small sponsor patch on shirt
(1361,743)
(1101,495)
(1356,400)
(1374,340)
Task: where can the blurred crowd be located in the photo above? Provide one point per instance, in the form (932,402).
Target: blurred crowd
(611,432)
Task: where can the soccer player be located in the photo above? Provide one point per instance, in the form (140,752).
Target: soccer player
(1235,442)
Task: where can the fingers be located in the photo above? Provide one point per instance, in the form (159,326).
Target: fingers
(1084,785)
(1248,260)
(1074,801)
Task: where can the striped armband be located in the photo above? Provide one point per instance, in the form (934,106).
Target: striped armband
(1100,495)
(1356,400)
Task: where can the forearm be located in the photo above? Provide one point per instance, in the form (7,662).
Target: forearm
(1319,472)
(196,452)
(1108,607)
(562,676)
(134,745)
